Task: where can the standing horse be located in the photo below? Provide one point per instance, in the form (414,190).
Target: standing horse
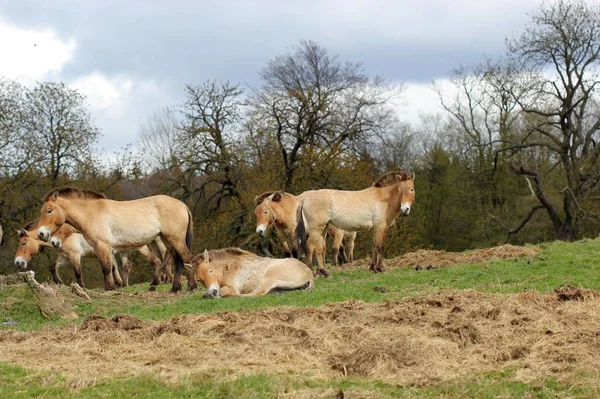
(74,248)
(235,272)
(122,225)
(376,207)
(71,242)
(279,209)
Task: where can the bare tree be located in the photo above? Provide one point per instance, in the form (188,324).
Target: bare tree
(208,141)
(58,126)
(311,99)
(158,137)
(558,56)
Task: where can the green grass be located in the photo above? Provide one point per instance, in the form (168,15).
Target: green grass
(558,263)
(16,382)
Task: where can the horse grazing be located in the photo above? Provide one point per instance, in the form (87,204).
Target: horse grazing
(74,248)
(279,209)
(109,225)
(376,207)
(235,272)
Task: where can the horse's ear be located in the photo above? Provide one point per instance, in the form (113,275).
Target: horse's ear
(22,233)
(276,197)
(412,175)
(54,195)
(206,255)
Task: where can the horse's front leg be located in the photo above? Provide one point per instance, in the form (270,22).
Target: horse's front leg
(54,269)
(104,253)
(75,259)
(378,249)
(127,265)
(337,247)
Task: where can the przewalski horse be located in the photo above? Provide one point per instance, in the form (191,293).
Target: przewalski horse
(235,272)
(71,242)
(279,209)
(376,207)
(72,247)
(122,225)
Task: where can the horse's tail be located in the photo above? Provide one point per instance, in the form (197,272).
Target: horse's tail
(301,227)
(189,234)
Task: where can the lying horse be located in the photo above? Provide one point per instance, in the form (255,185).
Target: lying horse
(72,247)
(376,207)
(122,225)
(279,209)
(235,272)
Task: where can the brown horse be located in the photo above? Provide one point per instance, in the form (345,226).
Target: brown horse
(279,209)
(235,272)
(71,242)
(74,248)
(122,225)
(376,207)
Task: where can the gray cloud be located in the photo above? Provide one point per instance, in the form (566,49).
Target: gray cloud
(178,42)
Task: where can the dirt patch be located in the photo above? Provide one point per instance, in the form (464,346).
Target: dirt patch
(432,259)
(418,340)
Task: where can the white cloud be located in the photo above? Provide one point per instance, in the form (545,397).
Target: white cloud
(30,54)
(420,98)
(104,94)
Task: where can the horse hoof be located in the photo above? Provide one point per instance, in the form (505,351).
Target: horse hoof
(152,288)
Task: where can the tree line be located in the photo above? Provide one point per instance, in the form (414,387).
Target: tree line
(514,158)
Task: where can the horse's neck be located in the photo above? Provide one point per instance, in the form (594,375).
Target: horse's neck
(75,212)
(285,214)
(394,197)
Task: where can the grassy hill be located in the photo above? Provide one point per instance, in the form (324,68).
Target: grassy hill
(486,329)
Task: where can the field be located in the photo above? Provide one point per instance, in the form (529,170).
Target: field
(502,322)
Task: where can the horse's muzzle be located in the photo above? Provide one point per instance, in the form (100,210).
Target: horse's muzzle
(43,235)
(20,263)
(55,242)
(260,231)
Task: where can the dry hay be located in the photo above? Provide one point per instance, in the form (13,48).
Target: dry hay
(415,341)
(434,258)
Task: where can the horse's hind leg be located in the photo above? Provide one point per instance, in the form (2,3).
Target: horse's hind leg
(337,246)
(115,271)
(153,255)
(349,246)
(316,241)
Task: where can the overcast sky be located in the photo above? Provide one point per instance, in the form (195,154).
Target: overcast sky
(131,58)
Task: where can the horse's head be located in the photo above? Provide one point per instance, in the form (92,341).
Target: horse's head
(264,214)
(406,188)
(52,217)
(207,276)
(61,235)
(28,247)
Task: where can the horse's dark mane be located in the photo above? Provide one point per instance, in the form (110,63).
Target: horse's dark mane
(222,254)
(31,225)
(73,192)
(260,198)
(391,178)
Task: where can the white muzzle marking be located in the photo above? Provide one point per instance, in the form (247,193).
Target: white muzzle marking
(44,233)
(56,243)
(260,230)
(405,208)
(213,290)
(20,262)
